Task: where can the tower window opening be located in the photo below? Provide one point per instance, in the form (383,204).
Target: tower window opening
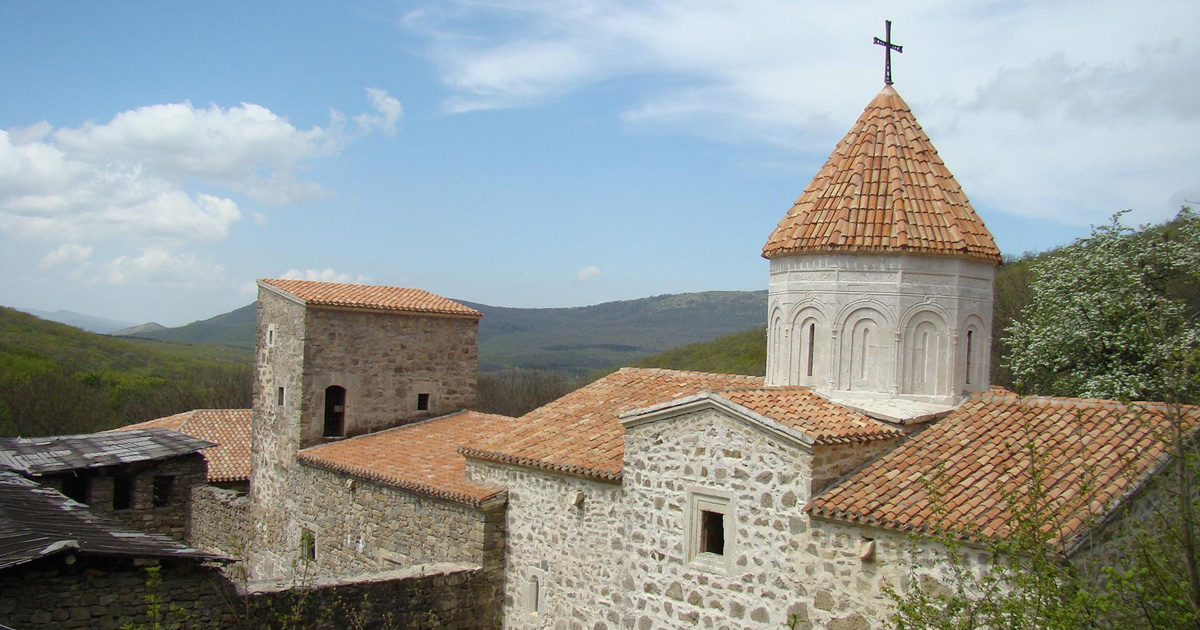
(335,411)
(422,402)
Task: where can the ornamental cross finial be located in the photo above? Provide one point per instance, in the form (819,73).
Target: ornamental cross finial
(889,47)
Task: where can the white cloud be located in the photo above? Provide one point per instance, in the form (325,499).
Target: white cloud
(324,275)
(67,254)
(387,113)
(1072,108)
(164,173)
(588,273)
(157,267)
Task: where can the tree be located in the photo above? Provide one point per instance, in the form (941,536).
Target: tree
(1113,314)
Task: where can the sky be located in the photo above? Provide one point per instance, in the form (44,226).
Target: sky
(158,157)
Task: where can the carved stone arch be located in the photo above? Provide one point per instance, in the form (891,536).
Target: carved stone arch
(925,307)
(927,352)
(869,303)
(810,349)
(809,303)
(867,356)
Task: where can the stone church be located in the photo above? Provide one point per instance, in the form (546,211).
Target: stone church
(664,499)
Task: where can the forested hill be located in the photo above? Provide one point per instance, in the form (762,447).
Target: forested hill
(235,328)
(568,340)
(579,340)
(56,378)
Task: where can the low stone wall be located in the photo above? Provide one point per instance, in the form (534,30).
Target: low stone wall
(103,594)
(112,594)
(221,521)
(359,526)
(432,596)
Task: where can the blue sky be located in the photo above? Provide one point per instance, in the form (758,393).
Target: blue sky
(156,158)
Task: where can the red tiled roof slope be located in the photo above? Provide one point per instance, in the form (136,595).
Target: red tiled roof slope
(580,433)
(421,457)
(884,189)
(229,429)
(370,297)
(823,420)
(978,461)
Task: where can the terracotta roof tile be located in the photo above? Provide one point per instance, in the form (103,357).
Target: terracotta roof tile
(421,457)
(823,420)
(580,433)
(884,189)
(229,429)
(978,459)
(370,297)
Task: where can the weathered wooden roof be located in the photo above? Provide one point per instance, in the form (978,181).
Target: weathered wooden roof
(59,453)
(37,522)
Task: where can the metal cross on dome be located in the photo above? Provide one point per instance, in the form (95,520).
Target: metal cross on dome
(889,47)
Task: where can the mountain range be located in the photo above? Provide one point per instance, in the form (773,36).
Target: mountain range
(569,340)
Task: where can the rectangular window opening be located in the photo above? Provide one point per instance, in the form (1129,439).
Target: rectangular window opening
(122,492)
(422,402)
(77,488)
(712,532)
(280,398)
(162,490)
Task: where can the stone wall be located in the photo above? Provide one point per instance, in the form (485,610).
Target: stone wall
(221,523)
(275,431)
(109,594)
(588,555)
(384,361)
(831,462)
(567,533)
(360,525)
(172,518)
(112,594)
(426,597)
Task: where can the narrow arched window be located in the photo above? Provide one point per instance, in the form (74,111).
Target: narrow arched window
(812,334)
(335,411)
(970,340)
(862,366)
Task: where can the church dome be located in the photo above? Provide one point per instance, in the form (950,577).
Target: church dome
(884,189)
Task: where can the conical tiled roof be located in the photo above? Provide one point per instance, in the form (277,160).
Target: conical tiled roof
(884,189)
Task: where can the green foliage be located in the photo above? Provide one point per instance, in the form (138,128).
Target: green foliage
(1136,568)
(738,353)
(516,392)
(57,379)
(1026,581)
(1112,315)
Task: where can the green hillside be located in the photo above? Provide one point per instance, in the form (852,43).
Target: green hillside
(235,328)
(56,378)
(739,353)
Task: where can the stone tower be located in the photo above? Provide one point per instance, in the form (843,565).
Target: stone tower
(338,360)
(882,273)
